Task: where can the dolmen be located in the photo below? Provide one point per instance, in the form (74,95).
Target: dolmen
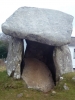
(38,49)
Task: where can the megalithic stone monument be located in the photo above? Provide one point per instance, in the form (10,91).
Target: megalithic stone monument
(47,33)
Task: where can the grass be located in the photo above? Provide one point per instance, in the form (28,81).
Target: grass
(10,89)
(2,65)
(2,68)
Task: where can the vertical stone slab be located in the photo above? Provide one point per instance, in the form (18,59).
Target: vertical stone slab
(37,75)
(14,57)
(62,60)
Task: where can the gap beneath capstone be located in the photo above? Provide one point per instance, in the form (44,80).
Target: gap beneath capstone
(41,52)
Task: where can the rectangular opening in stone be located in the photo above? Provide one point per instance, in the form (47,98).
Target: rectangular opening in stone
(43,53)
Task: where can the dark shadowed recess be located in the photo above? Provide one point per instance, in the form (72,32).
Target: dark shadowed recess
(42,52)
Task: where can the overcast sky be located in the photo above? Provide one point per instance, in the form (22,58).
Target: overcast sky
(7,7)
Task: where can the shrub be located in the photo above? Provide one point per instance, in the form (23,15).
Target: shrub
(3,49)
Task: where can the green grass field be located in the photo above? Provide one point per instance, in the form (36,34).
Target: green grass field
(11,89)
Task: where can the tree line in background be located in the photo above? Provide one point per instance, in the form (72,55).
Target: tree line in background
(3,49)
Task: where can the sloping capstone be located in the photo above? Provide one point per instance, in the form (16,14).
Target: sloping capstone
(62,60)
(37,75)
(46,26)
(14,57)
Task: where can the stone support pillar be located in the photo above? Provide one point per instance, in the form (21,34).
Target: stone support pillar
(14,57)
(62,60)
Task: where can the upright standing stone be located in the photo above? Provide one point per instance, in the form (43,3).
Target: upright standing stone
(62,60)
(37,75)
(14,57)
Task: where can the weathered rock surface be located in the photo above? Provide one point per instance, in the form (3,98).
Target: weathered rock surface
(14,57)
(66,87)
(5,38)
(62,60)
(37,76)
(42,25)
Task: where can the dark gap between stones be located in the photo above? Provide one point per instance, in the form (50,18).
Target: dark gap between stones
(41,52)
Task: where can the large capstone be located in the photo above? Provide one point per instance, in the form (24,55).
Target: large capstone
(62,60)
(37,76)
(14,57)
(46,26)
